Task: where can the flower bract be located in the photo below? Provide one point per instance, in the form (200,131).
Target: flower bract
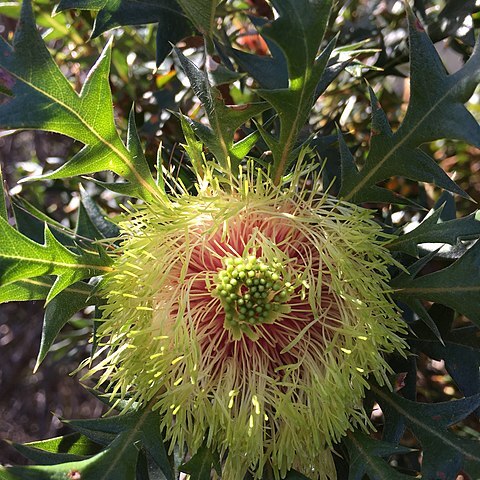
(251,316)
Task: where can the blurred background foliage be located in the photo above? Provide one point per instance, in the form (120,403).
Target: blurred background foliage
(158,87)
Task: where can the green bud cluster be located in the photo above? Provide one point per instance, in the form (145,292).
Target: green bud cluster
(252,292)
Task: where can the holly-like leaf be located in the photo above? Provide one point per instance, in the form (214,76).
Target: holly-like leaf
(22,258)
(116,462)
(142,426)
(173,25)
(367,456)
(443,451)
(24,290)
(456,286)
(298,31)
(434,95)
(224,120)
(431,230)
(45,100)
(67,448)
(460,349)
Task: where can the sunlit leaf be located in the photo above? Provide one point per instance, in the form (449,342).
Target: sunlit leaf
(22,258)
(116,462)
(45,100)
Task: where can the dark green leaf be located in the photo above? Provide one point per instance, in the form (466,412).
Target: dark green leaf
(201,464)
(443,452)
(367,456)
(298,31)
(431,230)
(456,286)
(434,95)
(172,23)
(98,218)
(143,426)
(403,159)
(85,229)
(224,120)
(460,349)
(59,311)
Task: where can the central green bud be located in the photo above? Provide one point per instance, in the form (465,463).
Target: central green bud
(252,292)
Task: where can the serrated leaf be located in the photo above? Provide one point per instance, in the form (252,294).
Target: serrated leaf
(201,464)
(299,32)
(460,349)
(432,230)
(22,258)
(116,462)
(367,456)
(45,100)
(67,448)
(172,23)
(220,75)
(270,72)
(224,120)
(201,13)
(59,311)
(142,426)
(434,95)
(457,286)
(24,290)
(403,159)
(193,147)
(443,452)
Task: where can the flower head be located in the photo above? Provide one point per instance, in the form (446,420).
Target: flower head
(251,317)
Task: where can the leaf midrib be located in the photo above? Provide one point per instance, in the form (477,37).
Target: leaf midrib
(425,427)
(289,140)
(103,268)
(94,132)
(364,180)
(47,285)
(438,289)
(366,457)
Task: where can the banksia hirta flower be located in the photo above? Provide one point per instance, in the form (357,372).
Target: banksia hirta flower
(251,316)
